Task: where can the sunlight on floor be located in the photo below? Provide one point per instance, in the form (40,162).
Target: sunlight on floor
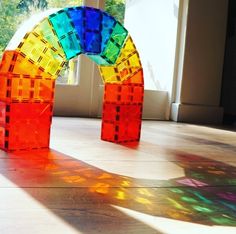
(170,226)
(19,210)
(142,170)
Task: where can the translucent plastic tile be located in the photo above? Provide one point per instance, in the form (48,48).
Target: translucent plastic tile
(128,67)
(3,113)
(130,112)
(51,63)
(29,128)
(61,23)
(108,131)
(33,46)
(76,15)
(127,50)
(111,52)
(14,62)
(137,78)
(108,56)
(45,30)
(93,19)
(129,130)
(92,42)
(43,90)
(119,34)
(121,123)
(87,23)
(123,94)
(108,23)
(112,47)
(110,112)
(39,52)
(127,64)
(71,45)
(92,31)
(122,71)
(2,124)
(110,74)
(99,59)
(22,88)
(66,33)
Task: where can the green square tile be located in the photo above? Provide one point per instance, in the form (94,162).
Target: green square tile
(119,34)
(111,52)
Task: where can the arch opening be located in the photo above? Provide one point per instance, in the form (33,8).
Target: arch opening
(28,73)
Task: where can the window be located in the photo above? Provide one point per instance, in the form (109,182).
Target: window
(116,8)
(14,13)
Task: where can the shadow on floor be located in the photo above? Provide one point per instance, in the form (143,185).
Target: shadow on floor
(87,197)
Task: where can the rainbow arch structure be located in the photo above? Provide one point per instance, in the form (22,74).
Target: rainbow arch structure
(28,73)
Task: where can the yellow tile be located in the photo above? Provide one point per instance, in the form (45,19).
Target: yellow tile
(108,73)
(126,65)
(128,49)
(45,30)
(37,50)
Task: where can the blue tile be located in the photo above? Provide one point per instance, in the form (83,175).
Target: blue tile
(76,15)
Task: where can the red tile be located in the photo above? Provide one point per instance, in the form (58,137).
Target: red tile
(25,125)
(108,131)
(121,123)
(123,94)
(137,78)
(110,112)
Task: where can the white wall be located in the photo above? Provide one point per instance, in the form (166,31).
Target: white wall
(153,26)
(200,84)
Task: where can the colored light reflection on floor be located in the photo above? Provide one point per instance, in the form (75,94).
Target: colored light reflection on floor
(208,199)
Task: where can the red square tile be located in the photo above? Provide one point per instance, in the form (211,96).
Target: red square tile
(124,93)
(121,123)
(25,125)
(110,112)
(108,131)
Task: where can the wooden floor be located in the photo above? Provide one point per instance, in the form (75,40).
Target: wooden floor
(180,178)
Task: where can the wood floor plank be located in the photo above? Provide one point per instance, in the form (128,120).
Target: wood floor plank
(95,210)
(180,178)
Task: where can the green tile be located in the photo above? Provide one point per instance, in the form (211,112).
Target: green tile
(111,52)
(108,56)
(119,34)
